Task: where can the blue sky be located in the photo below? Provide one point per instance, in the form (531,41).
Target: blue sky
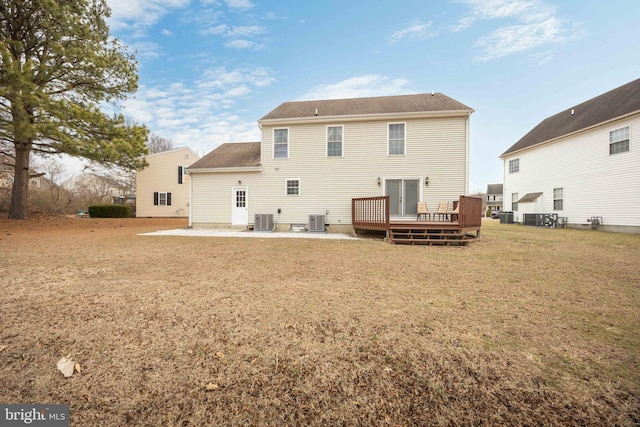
(209,69)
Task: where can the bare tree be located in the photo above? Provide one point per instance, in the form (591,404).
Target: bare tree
(158,144)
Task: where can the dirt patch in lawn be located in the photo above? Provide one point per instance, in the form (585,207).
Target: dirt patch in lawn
(525,326)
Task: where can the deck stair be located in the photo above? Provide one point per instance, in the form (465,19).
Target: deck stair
(416,235)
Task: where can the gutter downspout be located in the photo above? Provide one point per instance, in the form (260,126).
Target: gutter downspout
(190,201)
(468,131)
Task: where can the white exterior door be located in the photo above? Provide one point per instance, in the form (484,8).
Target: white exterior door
(240,206)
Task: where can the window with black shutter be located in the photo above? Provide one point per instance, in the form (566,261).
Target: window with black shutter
(161,199)
(180,173)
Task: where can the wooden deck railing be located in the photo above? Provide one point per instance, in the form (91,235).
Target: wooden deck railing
(370,213)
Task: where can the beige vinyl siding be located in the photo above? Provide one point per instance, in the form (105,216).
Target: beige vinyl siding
(594,182)
(161,175)
(213,198)
(434,147)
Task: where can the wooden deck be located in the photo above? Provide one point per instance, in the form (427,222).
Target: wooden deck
(459,228)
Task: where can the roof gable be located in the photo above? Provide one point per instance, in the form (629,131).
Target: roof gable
(616,103)
(230,155)
(366,106)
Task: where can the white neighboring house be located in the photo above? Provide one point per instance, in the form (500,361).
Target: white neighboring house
(162,188)
(315,156)
(494,197)
(582,164)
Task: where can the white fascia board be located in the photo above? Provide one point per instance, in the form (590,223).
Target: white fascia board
(226,170)
(173,151)
(366,117)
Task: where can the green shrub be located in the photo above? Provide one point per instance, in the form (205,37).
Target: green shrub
(109,211)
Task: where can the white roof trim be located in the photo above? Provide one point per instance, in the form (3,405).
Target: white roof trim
(174,150)
(226,170)
(366,117)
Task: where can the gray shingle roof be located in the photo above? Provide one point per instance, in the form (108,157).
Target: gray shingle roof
(615,103)
(230,155)
(529,197)
(366,106)
(494,188)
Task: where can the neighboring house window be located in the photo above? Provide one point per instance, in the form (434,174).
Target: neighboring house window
(514,165)
(514,201)
(619,140)
(334,141)
(396,138)
(281,143)
(180,174)
(161,199)
(558,199)
(293,187)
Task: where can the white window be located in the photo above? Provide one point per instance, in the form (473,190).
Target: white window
(241,198)
(293,187)
(514,165)
(396,138)
(514,201)
(619,140)
(558,198)
(161,199)
(334,141)
(281,143)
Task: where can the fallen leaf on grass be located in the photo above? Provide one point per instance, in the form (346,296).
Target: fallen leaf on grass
(2,347)
(76,366)
(211,387)
(66,365)
(219,355)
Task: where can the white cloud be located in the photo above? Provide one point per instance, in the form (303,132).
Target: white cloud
(242,44)
(357,87)
(536,24)
(201,114)
(218,29)
(246,31)
(239,34)
(145,49)
(166,32)
(233,4)
(518,38)
(493,9)
(416,31)
(240,31)
(239,4)
(132,14)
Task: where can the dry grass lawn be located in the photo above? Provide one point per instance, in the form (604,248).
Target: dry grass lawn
(526,326)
